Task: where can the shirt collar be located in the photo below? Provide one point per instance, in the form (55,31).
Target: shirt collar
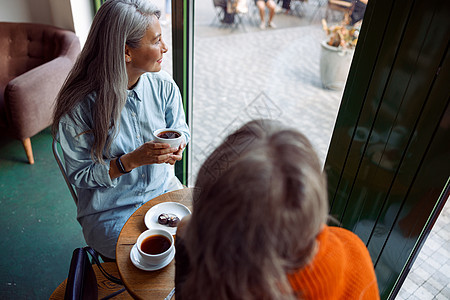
(138,89)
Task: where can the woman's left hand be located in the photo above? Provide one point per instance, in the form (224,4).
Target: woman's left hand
(178,155)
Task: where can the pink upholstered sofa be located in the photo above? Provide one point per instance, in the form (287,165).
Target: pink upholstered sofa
(34,62)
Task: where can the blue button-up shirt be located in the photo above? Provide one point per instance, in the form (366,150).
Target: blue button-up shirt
(104,205)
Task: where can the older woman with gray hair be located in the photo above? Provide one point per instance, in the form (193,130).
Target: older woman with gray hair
(106,112)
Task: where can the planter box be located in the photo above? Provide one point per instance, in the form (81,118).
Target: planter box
(334,66)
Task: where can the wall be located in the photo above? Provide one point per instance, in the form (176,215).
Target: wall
(83,13)
(61,12)
(74,15)
(34,11)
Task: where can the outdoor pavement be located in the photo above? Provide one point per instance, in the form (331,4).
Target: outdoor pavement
(242,73)
(429,277)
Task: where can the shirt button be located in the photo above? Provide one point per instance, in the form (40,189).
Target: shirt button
(143,175)
(138,136)
(133,114)
(136,205)
(140,194)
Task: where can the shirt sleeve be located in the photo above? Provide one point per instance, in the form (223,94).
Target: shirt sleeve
(81,170)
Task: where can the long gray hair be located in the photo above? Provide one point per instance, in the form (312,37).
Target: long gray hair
(101,69)
(260,202)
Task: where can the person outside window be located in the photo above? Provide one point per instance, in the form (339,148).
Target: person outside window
(271,6)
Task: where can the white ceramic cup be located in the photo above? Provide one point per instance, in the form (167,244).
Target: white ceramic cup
(175,143)
(155,259)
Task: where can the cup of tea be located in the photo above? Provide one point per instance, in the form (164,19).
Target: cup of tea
(170,136)
(155,245)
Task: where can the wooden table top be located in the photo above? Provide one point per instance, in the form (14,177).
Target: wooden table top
(146,284)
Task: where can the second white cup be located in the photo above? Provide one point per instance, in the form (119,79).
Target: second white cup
(155,246)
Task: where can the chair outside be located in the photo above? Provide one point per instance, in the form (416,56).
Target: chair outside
(298,7)
(63,170)
(230,12)
(340,6)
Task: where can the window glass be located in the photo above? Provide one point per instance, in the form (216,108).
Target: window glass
(281,68)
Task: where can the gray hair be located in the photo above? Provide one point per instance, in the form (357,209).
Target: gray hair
(101,68)
(260,202)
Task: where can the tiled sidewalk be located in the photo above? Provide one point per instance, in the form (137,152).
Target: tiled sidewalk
(429,277)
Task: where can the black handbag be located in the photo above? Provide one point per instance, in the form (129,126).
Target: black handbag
(82,282)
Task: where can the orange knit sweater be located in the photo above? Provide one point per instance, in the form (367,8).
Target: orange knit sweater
(342,269)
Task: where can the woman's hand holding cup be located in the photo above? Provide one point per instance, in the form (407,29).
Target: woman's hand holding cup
(149,153)
(174,138)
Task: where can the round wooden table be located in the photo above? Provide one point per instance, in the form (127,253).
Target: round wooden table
(147,284)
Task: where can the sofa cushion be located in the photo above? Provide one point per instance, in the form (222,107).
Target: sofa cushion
(24,46)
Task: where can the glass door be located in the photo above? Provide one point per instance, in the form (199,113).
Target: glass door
(393,119)
(388,163)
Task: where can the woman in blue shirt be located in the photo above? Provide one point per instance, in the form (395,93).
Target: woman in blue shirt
(112,101)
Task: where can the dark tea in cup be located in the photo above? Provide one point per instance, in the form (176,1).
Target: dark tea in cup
(168,135)
(155,244)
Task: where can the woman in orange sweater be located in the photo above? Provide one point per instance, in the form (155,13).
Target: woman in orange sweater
(258,226)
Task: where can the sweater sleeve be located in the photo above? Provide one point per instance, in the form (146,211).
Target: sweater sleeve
(360,278)
(342,269)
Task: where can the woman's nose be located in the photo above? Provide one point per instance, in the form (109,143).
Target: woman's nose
(164,47)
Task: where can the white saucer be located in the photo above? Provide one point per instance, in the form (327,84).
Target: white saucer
(171,208)
(136,259)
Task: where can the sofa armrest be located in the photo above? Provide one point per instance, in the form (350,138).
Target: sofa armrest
(30,97)
(70,44)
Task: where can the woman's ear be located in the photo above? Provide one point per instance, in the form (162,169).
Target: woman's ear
(127,54)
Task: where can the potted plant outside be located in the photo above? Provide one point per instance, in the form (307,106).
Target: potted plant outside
(336,54)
